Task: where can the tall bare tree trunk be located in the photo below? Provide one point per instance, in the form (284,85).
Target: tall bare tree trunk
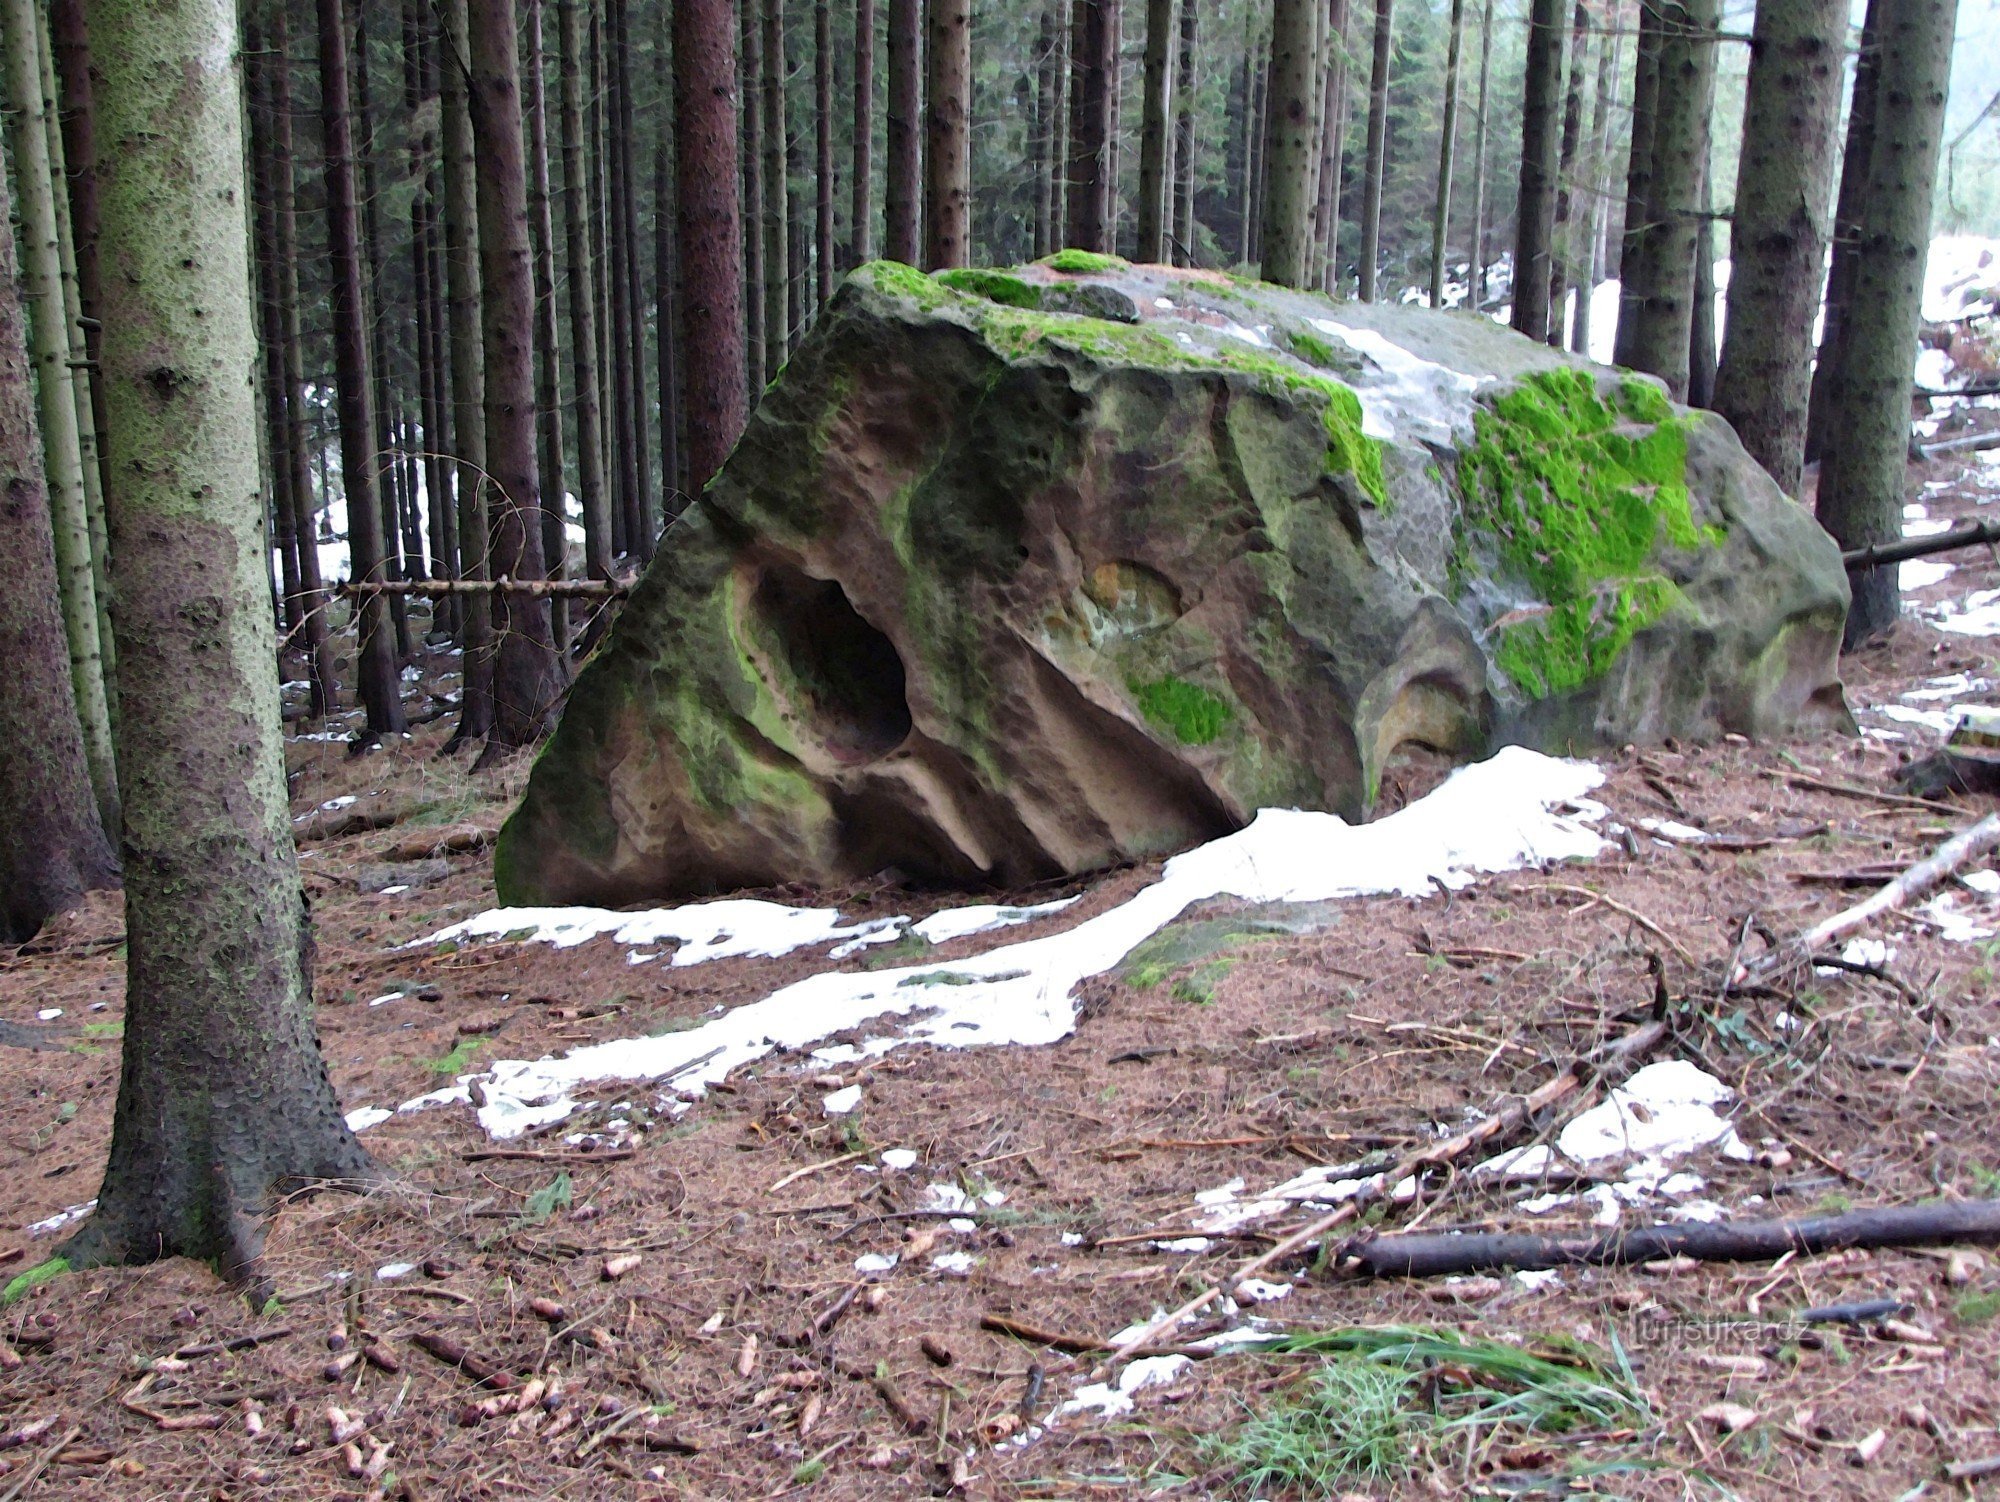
(1541,126)
(1597,183)
(904,188)
(1184,134)
(1040,132)
(1291,141)
(1846,228)
(751,210)
(1562,250)
(223,1100)
(641,517)
(1378,146)
(861,214)
(1333,148)
(948,154)
(32,118)
(1665,306)
(1156,132)
(1447,146)
(55,848)
(1639,177)
(420,106)
(711,232)
(1701,321)
(666,320)
(775,136)
(1091,64)
(528,675)
(1477,292)
(823,183)
(580,254)
(548,378)
(468,366)
(1864,477)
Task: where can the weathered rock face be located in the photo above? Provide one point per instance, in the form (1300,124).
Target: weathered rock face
(990,592)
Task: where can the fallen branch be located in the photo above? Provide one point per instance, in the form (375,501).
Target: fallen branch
(42,1462)
(556,589)
(1969,444)
(1872,795)
(1918,881)
(451,1353)
(1877,554)
(1430,1255)
(1504,1119)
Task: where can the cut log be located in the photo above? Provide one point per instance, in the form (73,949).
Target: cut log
(1971,535)
(1430,1255)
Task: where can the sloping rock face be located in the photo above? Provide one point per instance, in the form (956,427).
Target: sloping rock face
(993,590)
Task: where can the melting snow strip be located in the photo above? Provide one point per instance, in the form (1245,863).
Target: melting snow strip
(1518,808)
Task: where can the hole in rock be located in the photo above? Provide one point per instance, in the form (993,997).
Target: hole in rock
(846,681)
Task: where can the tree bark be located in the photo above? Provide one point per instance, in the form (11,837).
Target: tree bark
(468,381)
(627,423)
(55,849)
(1778,236)
(1333,149)
(1476,293)
(420,110)
(223,1099)
(31,120)
(296,448)
(1291,140)
(1447,146)
(861,213)
(1041,139)
(1091,62)
(711,233)
(580,254)
(1701,320)
(548,377)
(1184,136)
(1639,177)
(1260,115)
(901,240)
(1598,183)
(823,183)
(1378,146)
(666,322)
(1562,236)
(752,207)
(948,153)
(641,513)
(1665,306)
(1156,136)
(1846,229)
(775,137)
(1541,125)
(1863,477)
(528,677)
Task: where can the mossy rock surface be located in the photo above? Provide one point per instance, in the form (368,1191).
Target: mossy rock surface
(991,591)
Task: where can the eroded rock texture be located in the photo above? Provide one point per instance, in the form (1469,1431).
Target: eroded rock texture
(992,590)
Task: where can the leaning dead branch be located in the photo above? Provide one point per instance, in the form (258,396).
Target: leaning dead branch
(1500,1122)
(1925,877)
(1430,1255)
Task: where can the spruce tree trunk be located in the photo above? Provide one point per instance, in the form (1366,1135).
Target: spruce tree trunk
(666,322)
(30,118)
(1333,149)
(55,849)
(627,423)
(468,382)
(1156,130)
(1111,183)
(528,676)
(642,514)
(70,41)
(67,126)
(1447,146)
(1091,63)
(711,233)
(948,151)
(1260,114)
(420,102)
(1061,77)
(1184,137)
(1291,141)
(223,1100)
(376,675)
(904,188)
(1701,326)
(1686,92)
(1042,132)
(297,447)
(1562,237)
(823,183)
(548,376)
(1639,178)
(1477,291)
(1541,125)
(752,207)
(1597,184)
(774,136)
(590,485)
(1378,146)
(861,212)
(1863,478)
(1846,229)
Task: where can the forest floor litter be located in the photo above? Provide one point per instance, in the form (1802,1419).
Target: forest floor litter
(711,1201)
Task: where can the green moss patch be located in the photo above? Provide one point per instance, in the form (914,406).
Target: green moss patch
(1186,711)
(33,1278)
(1311,348)
(1579,492)
(1204,947)
(1085,262)
(994,286)
(906,281)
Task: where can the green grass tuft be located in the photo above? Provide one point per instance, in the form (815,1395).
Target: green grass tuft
(459,1060)
(1977,1308)
(1355,1421)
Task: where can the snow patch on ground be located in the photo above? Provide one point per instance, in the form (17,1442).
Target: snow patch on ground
(1922,573)
(1518,808)
(979,918)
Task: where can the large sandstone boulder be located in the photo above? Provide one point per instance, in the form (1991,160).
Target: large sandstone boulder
(1022,574)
